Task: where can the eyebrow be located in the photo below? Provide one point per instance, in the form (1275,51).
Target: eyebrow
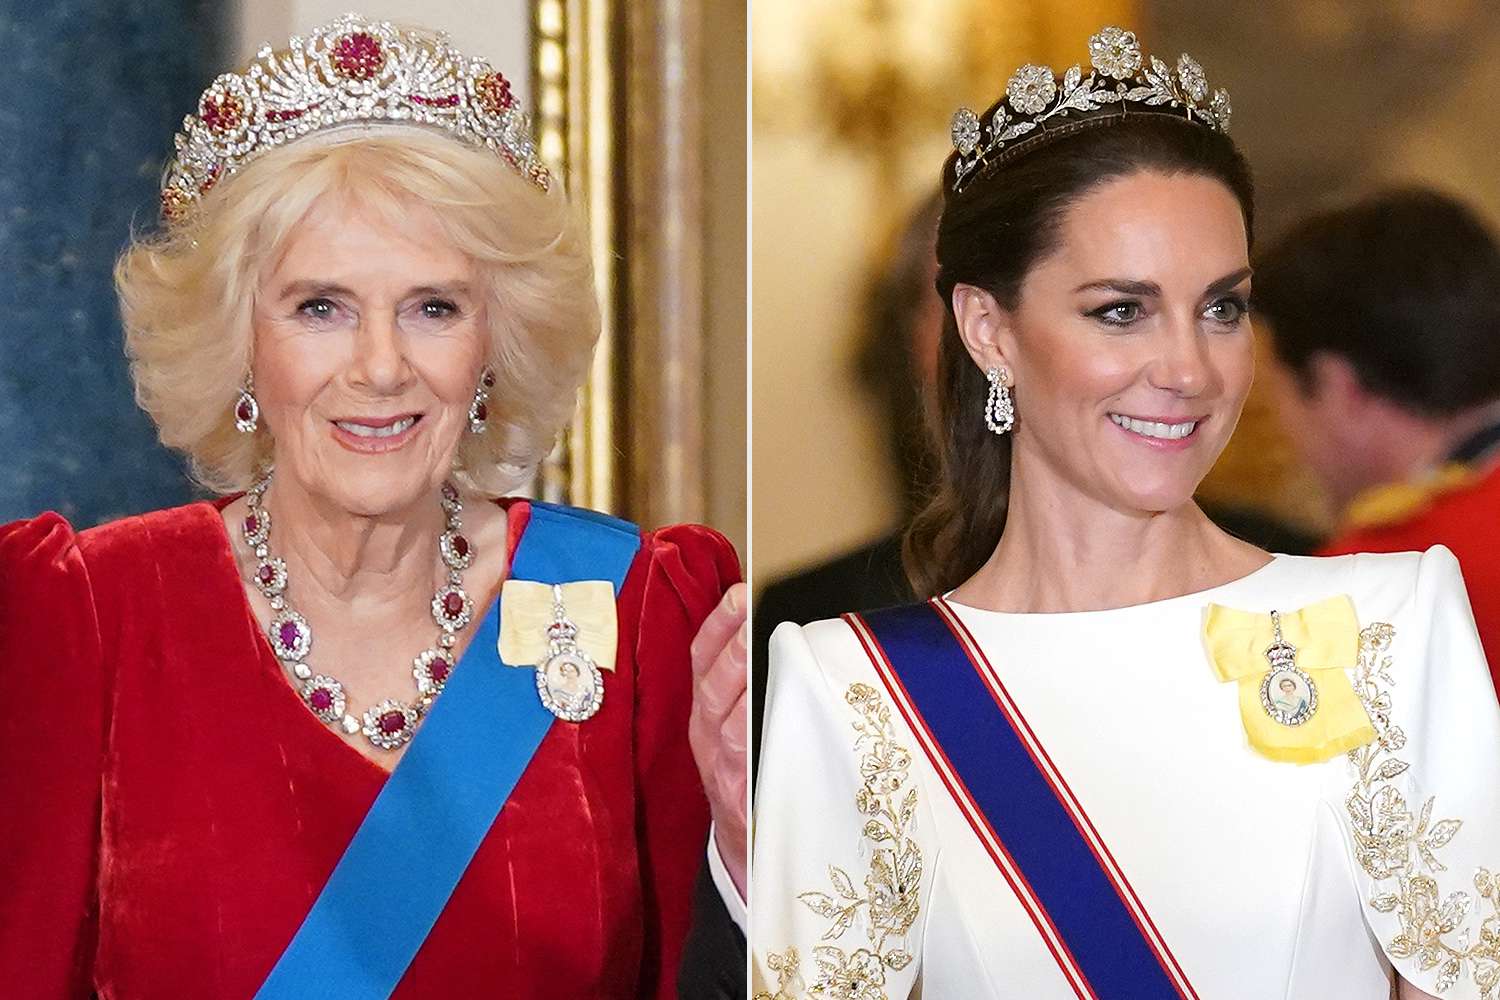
(314,288)
(1150,289)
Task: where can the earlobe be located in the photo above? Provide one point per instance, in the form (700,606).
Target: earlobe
(983,326)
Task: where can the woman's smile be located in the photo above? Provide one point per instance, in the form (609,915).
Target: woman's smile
(375,435)
(1161,433)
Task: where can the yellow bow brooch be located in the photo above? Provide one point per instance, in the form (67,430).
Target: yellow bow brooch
(569,632)
(1295,698)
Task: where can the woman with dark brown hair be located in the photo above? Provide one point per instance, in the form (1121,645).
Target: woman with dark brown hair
(1070,771)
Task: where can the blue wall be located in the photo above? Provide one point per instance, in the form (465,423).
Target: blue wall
(91,92)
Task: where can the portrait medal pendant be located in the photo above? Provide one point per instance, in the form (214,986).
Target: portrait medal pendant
(1287,693)
(569,682)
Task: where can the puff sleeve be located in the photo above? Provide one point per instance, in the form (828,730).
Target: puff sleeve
(838,870)
(52,738)
(1422,812)
(680,574)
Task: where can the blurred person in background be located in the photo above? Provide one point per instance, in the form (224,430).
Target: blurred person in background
(1022,785)
(896,365)
(1384,317)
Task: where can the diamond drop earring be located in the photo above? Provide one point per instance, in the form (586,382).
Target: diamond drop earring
(999,407)
(479,409)
(246,409)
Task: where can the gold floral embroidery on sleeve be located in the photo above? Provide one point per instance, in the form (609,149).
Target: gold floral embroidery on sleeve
(889,896)
(1399,849)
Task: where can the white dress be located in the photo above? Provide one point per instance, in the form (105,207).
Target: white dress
(1248,867)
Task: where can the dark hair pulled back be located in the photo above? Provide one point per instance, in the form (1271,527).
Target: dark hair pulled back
(1404,285)
(991,234)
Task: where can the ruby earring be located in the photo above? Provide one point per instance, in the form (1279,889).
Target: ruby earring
(479,410)
(246,409)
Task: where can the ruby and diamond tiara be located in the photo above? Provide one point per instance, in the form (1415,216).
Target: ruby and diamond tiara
(348,72)
(1122,76)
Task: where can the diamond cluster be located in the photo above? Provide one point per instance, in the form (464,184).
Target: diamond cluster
(568,682)
(391,723)
(1121,75)
(350,71)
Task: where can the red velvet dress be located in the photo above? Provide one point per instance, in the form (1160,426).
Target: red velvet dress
(171,809)
(1465,518)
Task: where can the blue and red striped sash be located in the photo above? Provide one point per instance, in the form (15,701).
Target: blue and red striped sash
(1019,805)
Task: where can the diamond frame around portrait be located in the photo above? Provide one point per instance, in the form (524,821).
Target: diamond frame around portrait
(1276,714)
(587,665)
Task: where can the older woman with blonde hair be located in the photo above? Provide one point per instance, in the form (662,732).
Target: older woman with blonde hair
(358,728)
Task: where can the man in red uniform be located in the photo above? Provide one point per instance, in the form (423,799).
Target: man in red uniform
(1385,321)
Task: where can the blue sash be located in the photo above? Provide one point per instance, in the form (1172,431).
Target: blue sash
(440,802)
(1019,806)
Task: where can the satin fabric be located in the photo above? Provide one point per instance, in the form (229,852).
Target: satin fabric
(1264,879)
(1326,636)
(174,809)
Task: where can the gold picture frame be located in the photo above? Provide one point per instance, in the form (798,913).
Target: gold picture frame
(618,110)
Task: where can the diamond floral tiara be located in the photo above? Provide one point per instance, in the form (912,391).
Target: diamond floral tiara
(1121,76)
(349,71)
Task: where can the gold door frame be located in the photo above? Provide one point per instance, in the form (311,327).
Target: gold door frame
(618,103)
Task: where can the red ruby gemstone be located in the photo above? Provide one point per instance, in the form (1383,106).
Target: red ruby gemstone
(358,56)
(481,412)
(222,114)
(438,669)
(453,604)
(460,545)
(289,634)
(489,380)
(243,411)
(392,723)
(493,91)
(321,699)
(252,524)
(267,574)
(287,114)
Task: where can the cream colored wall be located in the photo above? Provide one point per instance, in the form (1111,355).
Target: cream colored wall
(852,101)
(822,480)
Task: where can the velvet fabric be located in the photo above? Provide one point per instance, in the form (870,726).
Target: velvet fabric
(173,809)
(1462,518)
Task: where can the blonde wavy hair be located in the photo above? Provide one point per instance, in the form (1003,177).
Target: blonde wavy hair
(187,294)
